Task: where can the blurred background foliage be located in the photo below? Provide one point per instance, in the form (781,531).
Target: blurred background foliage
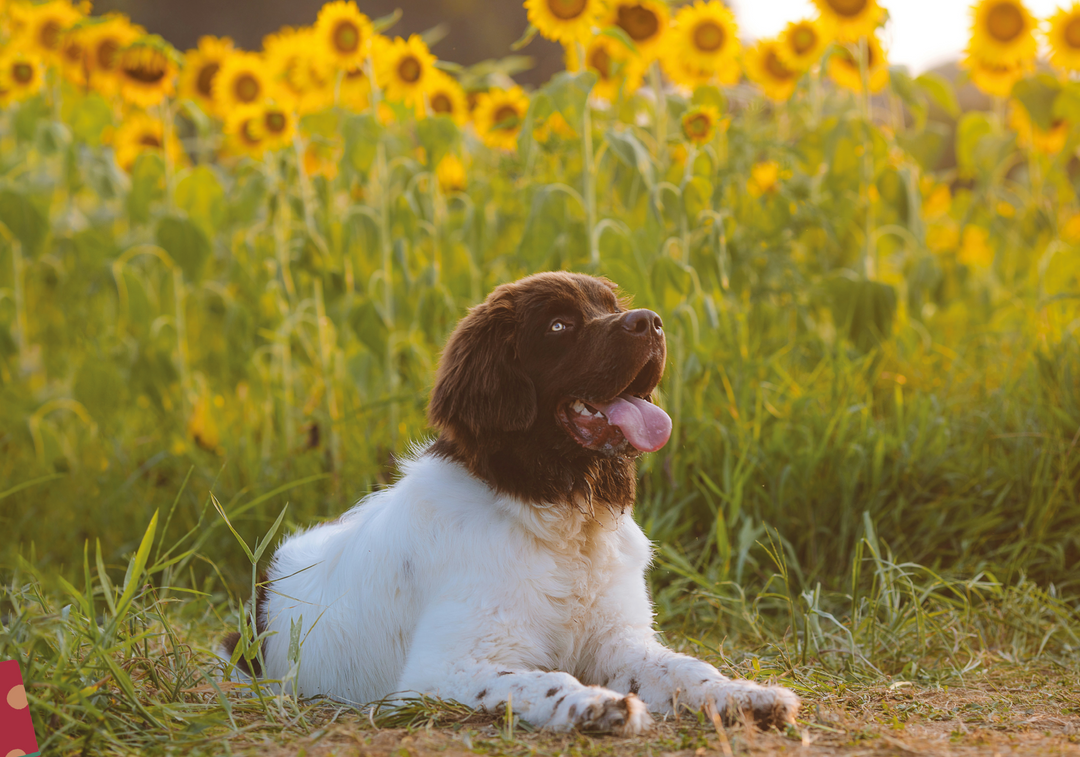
(231,272)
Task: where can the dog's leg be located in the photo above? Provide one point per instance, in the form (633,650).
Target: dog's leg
(637,663)
(557,701)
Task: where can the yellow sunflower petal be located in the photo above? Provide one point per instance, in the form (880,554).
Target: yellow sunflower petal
(802,43)
(301,77)
(618,69)
(241,80)
(1002,32)
(565,21)
(21,74)
(844,66)
(201,67)
(405,69)
(767,69)
(343,33)
(852,18)
(1063,36)
(139,133)
(498,116)
(644,21)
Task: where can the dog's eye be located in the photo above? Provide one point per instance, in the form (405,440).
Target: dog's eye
(559,325)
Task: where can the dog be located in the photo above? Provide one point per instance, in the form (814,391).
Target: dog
(504,567)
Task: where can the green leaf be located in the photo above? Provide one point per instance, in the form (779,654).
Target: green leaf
(1037,94)
(938,88)
(186,244)
(630,151)
(370,329)
(709,95)
(438,135)
(147,185)
(362,134)
(24,220)
(569,94)
(89,117)
(926,146)
(200,195)
(697,196)
(862,310)
(973,126)
(904,86)
(135,569)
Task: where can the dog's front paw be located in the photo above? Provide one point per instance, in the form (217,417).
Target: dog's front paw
(767,706)
(596,709)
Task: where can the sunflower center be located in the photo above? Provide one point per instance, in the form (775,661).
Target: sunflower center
(73,51)
(441,103)
(246,88)
(1004,22)
(638,22)
(601,62)
(709,36)
(566,9)
(346,37)
(849,8)
(803,39)
(1072,33)
(410,69)
(355,73)
(150,69)
(776,67)
(106,54)
(697,125)
(49,36)
(275,122)
(204,82)
(506,117)
(22,73)
(150,140)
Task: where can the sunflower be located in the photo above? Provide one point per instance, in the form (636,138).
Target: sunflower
(277,125)
(803,43)
(704,35)
(139,133)
(1002,32)
(994,78)
(343,33)
(699,124)
(105,38)
(765,178)
(297,75)
(445,97)
(201,67)
(644,21)
(147,71)
(844,66)
(21,74)
(43,26)
(1064,38)
(241,80)
(852,18)
(498,116)
(1031,136)
(404,69)
(767,69)
(451,174)
(687,75)
(618,68)
(244,131)
(565,21)
(354,90)
(75,57)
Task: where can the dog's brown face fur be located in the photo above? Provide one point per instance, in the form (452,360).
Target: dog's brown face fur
(528,378)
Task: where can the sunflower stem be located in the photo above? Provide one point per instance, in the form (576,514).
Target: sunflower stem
(659,116)
(869,267)
(589,176)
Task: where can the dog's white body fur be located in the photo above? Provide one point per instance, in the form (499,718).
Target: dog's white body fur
(443,586)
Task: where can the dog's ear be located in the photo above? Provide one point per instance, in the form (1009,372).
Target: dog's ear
(481,385)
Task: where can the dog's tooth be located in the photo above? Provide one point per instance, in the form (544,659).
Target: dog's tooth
(579,408)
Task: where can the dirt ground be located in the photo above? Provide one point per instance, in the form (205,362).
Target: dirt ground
(1036,717)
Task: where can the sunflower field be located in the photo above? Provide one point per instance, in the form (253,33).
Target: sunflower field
(226,275)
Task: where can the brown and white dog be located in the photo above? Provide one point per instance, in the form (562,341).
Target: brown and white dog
(505,565)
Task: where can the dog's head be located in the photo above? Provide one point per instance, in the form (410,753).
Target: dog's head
(544,390)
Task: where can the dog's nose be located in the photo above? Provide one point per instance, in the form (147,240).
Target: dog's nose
(641,322)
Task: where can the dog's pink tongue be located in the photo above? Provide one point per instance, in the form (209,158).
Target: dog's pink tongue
(643,424)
